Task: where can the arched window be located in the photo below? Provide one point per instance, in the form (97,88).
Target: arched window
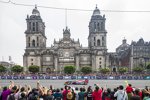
(98,26)
(28,41)
(37,39)
(94,38)
(28,44)
(103,44)
(33,28)
(94,43)
(33,43)
(98,42)
(30,26)
(102,26)
(94,26)
(37,26)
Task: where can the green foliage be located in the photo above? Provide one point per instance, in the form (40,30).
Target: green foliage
(17,69)
(2,68)
(138,69)
(104,70)
(69,69)
(86,70)
(148,66)
(34,69)
(122,70)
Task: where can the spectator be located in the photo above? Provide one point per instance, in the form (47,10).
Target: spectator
(97,94)
(136,95)
(121,94)
(81,94)
(129,91)
(89,93)
(57,95)
(65,93)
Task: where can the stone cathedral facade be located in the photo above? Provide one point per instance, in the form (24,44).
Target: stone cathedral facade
(66,51)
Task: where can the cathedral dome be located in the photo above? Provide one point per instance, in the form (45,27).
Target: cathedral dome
(96,11)
(35,11)
(124,46)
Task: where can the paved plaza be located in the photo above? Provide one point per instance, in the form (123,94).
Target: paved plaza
(60,83)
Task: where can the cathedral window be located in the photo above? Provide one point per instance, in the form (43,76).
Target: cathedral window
(98,42)
(94,43)
(102,25)
(33,28)
(31,59)
(29,41)
(31,63)
(37,38)
(98,26)
(103,38)
(36,26)
(100,66)
(103,44)
(95,26)
(94,38)
(33,43)
(29,25)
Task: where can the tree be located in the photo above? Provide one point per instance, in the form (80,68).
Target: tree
(69,69)
(2,68)
(104,70)
(138,69)
(34,69)
(86,70)
(17,69)
(122,70)
(148,66)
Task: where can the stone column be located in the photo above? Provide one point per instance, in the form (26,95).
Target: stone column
(25,63)
(93,58)
(56,63)
(131,59)
(77,62)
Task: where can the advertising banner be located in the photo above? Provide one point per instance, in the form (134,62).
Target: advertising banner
(60,77)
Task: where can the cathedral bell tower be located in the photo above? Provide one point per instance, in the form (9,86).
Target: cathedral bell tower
(97,40)
(35,39)
(97,32)
(35,33)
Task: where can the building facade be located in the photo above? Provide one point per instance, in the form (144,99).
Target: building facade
(66,51)
(140,53)
(137,54)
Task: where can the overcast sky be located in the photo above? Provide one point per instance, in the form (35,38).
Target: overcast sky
(131,25)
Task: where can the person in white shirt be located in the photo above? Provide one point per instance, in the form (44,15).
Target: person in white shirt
(121,94)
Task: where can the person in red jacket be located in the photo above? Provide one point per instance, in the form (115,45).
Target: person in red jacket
(97,94)
(129,91)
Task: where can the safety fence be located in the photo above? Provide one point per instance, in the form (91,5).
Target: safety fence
(75,77)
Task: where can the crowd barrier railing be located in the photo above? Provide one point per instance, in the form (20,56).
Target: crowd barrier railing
(75,77)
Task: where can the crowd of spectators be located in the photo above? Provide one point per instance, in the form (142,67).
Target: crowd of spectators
(15,92)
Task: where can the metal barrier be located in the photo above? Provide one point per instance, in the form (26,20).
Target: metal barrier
(75,77)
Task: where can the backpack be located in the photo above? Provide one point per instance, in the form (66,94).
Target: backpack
(11,97)
(69,95)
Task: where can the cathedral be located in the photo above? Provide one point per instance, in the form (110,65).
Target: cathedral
(66,51)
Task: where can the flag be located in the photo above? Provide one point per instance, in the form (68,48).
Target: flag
(126,83)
